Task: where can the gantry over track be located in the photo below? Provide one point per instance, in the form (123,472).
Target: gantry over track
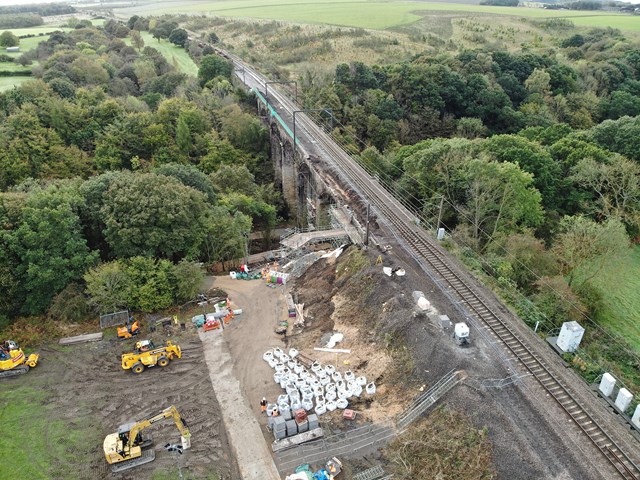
(442,268)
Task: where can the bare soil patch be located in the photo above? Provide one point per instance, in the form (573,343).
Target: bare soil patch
(85,385)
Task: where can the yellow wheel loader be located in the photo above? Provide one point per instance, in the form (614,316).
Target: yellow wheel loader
(146,354)
(127,448)
(13,360)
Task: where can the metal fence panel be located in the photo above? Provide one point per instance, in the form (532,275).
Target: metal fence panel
(113,319)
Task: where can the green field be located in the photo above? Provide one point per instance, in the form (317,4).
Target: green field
(7,83)
(619,284)
(375,14)
(33,444)
(176,56)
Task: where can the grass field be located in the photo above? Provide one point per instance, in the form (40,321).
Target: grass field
(619,284)
(176,56)
(374,14)
(34,443)
(7,83)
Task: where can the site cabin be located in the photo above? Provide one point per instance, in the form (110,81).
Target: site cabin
(13,49)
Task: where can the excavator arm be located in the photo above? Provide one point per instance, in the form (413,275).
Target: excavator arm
(172,411)
(124,449)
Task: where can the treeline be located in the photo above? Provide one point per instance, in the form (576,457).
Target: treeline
(503,92)
(501,3)
(20,20)
(118,171)
(43,9)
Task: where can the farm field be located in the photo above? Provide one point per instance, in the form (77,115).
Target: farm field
(379,15)
(7,83)
(176,56)
(622,303)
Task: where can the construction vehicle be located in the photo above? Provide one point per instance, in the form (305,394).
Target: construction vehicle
(146,354)
(128,448)
(13,360)
(130,329)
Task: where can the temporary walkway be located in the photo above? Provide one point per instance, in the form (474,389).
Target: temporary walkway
(245,436)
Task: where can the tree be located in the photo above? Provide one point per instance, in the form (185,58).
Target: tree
(136,39)
(152,215)
(50,246)
(213,38)
(107,286)
(187,279)
(189,176)
(225,235)
(616,184)
(583,246)
(164,29)
(213,66)
(500,197)
(150,286)
(179,37)
(8,39)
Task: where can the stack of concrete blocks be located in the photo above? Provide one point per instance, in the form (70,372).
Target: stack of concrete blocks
(570,336)
(279,427)
(623,400)
(607,384)
(636,418)
(320,385)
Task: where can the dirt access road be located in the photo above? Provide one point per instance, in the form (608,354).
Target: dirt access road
(247,337)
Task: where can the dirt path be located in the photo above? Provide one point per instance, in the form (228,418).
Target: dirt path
(240,376)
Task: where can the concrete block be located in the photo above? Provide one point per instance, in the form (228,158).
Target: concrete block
(286,414)
(636,417)
(303,426)
(279,423)
(570,336)
(623,400)
(292,428)
(313,421)
(607,384)
(280,435)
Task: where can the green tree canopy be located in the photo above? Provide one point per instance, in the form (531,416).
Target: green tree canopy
(153,215)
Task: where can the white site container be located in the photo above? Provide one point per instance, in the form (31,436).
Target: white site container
(570,336)
(461,330)
(607,384)
(623,400)
(636,417)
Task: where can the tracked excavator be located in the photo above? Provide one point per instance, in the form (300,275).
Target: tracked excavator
(13,360)
(128,448)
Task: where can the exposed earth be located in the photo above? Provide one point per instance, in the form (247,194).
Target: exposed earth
(403,350)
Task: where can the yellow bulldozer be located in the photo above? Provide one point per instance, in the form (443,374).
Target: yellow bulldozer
(13,361)
(128,448)
(146,355)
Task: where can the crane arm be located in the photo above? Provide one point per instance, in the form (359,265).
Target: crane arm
(171,411)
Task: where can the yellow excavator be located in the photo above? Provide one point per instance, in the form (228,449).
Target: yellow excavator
(127,448)
(13,360)
(146,354)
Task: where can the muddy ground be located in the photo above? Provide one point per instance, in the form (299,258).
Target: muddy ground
(86,386)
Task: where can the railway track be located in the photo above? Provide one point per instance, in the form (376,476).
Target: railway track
(421,245)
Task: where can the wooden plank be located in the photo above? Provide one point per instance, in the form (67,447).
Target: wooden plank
(89,337)
(297,439)
(333,350)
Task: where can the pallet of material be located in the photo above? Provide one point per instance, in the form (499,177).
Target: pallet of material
(289,442)
(89,337)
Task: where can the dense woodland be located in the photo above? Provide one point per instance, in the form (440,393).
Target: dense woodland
(118,172)
(529,158)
